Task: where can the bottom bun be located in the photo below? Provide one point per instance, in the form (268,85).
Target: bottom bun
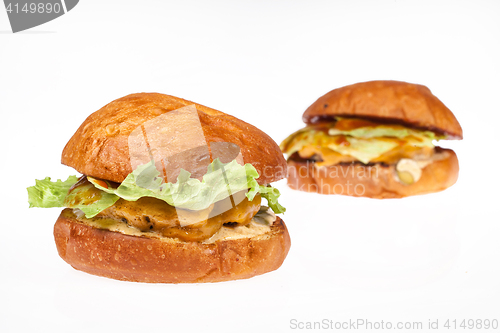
(166,260)
(374,181)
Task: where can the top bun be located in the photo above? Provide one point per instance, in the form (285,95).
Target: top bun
(395,101)
(99,148)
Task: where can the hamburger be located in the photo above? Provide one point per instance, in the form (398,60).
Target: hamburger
(171,192)
(374,139)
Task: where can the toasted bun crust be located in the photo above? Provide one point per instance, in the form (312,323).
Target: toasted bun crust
(140,259)
(99,148)
(397,101)
(377,181)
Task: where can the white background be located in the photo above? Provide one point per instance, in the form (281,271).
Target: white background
(429,257)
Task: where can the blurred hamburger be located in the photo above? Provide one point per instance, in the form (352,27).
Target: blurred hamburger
(374,139)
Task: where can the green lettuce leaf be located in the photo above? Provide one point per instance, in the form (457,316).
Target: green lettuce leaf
(424,138)
(271,194)
(365,143)
(220,181)
(47,194)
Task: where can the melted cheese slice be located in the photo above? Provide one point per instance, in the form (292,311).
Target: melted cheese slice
(350,140)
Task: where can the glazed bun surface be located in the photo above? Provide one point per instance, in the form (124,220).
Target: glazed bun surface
(392,101)
(100,148)
(141,259)
(377,181)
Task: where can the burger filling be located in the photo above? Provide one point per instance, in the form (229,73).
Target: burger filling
(189,210)
(348,140)
(259,225)
(154,215)
(151,214)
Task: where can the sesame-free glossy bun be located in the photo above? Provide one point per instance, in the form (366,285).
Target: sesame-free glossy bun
(391,101)
(143,259)
(99,148)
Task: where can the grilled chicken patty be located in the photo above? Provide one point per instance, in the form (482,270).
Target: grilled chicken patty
(151,214)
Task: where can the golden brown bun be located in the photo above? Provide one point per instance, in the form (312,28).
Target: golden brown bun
(403,102)
(378,181)
(140,259)
(99,148)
